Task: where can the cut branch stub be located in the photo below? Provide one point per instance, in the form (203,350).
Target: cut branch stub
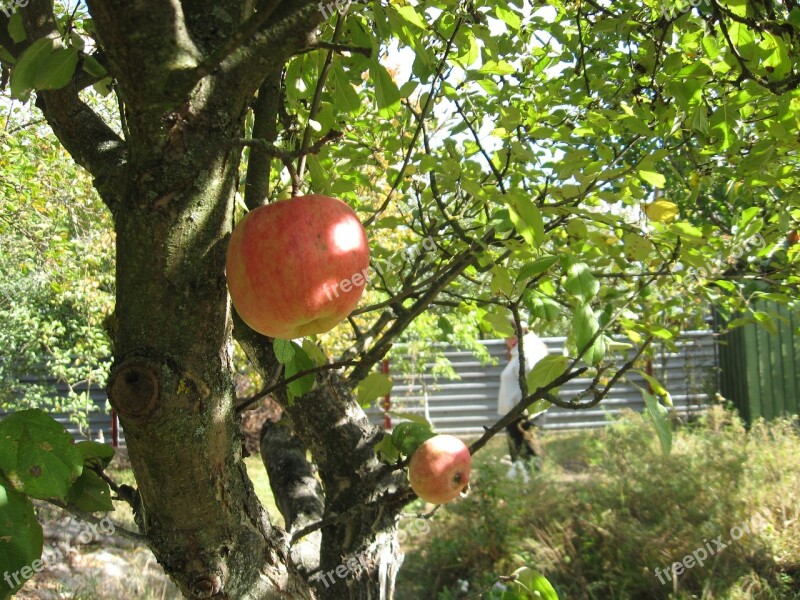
(133,389)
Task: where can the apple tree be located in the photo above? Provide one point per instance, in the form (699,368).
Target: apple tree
(611,168)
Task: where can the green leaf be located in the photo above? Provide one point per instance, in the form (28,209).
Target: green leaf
(710,46)
(545,371)
(407,437)
(499,324)
(57,69)
(491,67)
(540,405)
(376,385)
(387,95)
(300,362)
(93,67)
(501,283)
(660,415)
(414,418)
(584,327)
(748,214)
(315,353)
(445,326)
(344,95)
(512,19)
(775,57)
(20,537)
(319,176)
(37,455)
(656,386)
(90,493)
(766,321)
(23,75)
(16,28)
(536,584)
(386,451)
(662,211)
(6,56)
(410,15)
(284,350)
(581,283)
(527,219)
(636,247)
(542,307)
(540,265)
(472,54)
(95,453)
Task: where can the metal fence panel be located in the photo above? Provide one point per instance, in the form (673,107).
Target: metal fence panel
(468,404)
(760,371)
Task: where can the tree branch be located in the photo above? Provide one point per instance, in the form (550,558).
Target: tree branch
(338,48)
(317,100)
(382,346)
(298,494)
(265,129)
(423,115)
(83,133)
(247,403)
(287,155)
(90,518)
(275,23)
(543,393)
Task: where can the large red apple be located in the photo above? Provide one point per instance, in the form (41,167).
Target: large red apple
(297,267)
(439,469)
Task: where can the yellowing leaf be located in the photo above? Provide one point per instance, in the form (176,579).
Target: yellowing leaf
(653,178)
(662,211)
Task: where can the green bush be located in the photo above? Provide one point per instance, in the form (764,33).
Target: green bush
(609,508)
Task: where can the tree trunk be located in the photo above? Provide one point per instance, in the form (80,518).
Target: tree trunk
(172,378)
(185,74)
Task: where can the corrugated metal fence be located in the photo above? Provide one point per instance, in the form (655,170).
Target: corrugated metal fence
(468,403)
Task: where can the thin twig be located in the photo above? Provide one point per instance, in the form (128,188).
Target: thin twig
(340,48)
(123,492)
(247,402)
(286,155)
(90,518)
(423,115)
(316,103)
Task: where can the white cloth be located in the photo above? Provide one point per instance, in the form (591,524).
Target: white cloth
(510,393)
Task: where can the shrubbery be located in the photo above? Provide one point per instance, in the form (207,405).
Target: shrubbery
(608,509)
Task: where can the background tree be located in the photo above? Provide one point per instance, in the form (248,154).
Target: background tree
(56,274)
(526,141)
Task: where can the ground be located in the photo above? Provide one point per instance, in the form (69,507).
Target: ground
(606,508)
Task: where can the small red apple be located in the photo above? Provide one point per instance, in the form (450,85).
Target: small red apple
(439,469)
(297,267)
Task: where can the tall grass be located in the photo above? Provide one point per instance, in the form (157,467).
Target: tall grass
(608,508)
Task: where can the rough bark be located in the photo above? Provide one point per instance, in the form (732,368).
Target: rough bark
(296,490)
(362,497)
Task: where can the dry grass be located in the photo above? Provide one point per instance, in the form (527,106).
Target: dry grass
(608,508)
